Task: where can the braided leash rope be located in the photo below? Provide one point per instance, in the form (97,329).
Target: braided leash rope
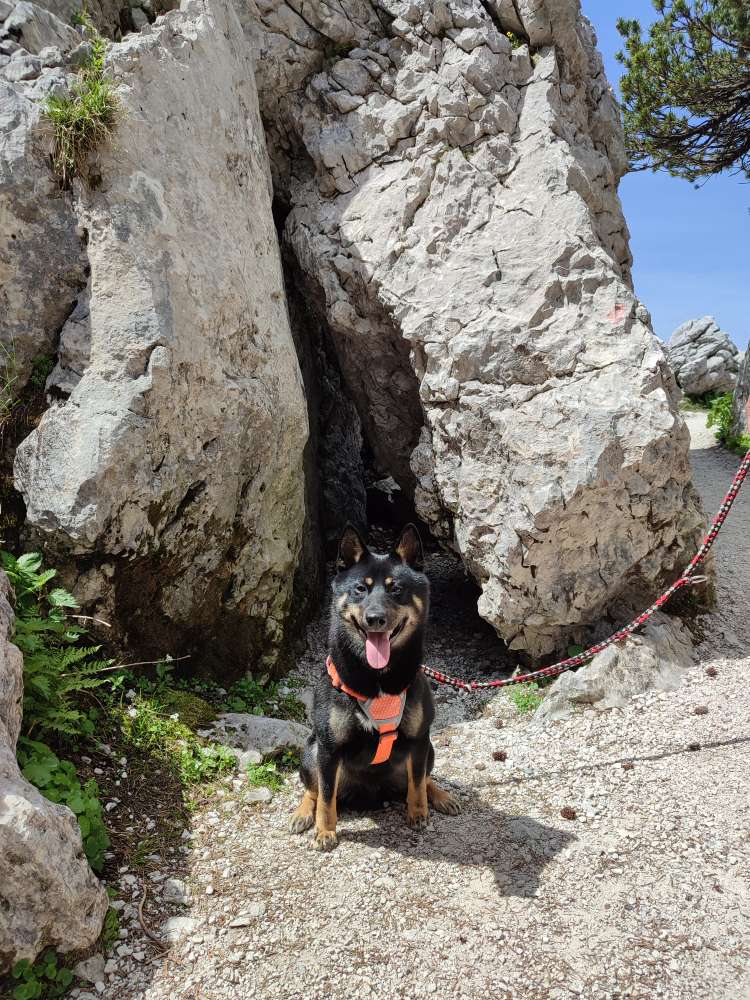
(687,579)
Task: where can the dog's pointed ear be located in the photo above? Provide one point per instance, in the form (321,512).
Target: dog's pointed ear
(409,548)
(351,548)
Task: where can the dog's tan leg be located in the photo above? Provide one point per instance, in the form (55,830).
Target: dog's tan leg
(416,795)
(441,800)
(325,811)
(303,816)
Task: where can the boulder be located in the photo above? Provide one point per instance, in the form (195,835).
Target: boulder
(453,207)
(166,476)
(741,396)
(703,357)
(654,659)
(48,893)
(244,732)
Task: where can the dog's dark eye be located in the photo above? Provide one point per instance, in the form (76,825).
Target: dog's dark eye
(394,589)
(360,589)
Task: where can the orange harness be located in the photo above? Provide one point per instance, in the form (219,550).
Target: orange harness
(384,712)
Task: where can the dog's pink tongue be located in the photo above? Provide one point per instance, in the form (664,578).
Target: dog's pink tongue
(378,649)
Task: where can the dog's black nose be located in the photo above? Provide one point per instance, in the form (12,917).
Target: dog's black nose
(375,620)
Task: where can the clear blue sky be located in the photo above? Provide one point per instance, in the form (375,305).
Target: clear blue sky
(691,247)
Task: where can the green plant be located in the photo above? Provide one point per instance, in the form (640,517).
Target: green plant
(259,697)
(272,773)
(57,780)
(515,41)
(720,416)
(687,87)
(526,697)
(44,978)
(56,668)
(8,379)
(147,725)
(86,117)
(41,371)
(110,934)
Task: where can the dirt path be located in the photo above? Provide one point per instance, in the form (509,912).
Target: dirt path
(643,893)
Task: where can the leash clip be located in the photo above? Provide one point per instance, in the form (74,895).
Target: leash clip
(696,579)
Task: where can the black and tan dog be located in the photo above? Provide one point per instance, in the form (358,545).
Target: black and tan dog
(373,707)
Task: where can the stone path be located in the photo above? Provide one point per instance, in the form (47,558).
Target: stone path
(607,856)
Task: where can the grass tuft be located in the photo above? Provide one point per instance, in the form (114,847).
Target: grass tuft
(84,119)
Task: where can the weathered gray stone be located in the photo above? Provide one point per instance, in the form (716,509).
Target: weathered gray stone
(35,28)
(22,67)
(703,357)
(242,731)
(41,258)
(177,459)
(48,893)
(655,658)
(90,969)
(457,216)
(741,396)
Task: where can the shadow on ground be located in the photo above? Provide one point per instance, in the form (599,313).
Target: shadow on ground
(515,849)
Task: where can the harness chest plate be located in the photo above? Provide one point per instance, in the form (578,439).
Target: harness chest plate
(384,713)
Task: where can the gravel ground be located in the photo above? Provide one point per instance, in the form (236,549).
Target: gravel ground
(607,856)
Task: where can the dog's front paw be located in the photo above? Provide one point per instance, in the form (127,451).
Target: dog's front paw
(326,840)
(417,819)
(300,822)
(447,804)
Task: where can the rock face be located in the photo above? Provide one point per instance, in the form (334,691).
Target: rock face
(169,463)
(48,893)
(453,207)
(42,265)
(741,396)
(703,357)
(654,659)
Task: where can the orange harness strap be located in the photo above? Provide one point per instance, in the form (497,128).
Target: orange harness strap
(384,712)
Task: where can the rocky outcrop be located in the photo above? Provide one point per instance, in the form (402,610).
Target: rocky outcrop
(741,396)
(454,207)
(167,471)
(42,264)
(48,893)
(703,357)
(654,659)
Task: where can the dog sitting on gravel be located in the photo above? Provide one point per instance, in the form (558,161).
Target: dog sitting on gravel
(373,706)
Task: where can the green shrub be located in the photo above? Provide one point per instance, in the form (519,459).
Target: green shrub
(85,118)
(56,668)
(45,978)
(57,780)
(720,416)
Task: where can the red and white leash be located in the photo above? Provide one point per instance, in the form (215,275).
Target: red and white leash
(687,579)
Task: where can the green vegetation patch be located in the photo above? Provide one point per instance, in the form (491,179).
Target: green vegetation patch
(57,780)
(46,977)
(148,725)
(721,418)
(85,118)
(526,697)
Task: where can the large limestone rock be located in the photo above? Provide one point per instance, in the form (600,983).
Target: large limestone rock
(48,893)
(703,357)
(168,468)
(741,396)
(654,659)
(454,207)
